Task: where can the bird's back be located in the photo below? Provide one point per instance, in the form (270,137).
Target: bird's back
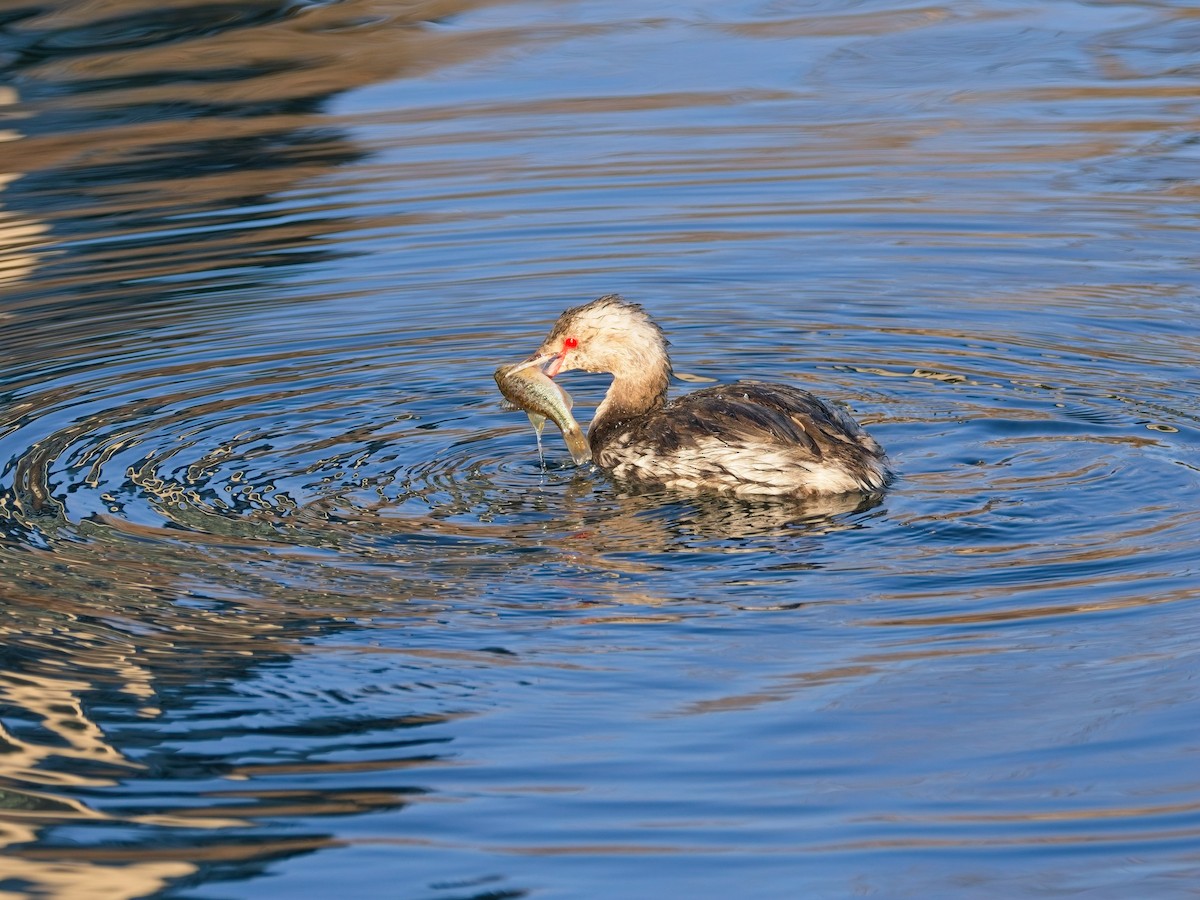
(749,438)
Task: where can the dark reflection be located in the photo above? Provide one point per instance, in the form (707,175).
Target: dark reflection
(716,517)
(117,31)
(133,120)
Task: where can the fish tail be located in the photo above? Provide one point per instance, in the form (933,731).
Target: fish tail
(577,443)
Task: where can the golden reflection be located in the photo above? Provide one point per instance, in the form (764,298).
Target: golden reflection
(98,616)
(56,704)
(36,786)
(20,236)
(59,879)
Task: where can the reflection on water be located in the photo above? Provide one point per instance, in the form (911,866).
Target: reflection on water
(290,606)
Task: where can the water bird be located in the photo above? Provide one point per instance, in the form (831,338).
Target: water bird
(748,438)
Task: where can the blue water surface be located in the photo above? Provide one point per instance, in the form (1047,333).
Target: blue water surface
(291,607)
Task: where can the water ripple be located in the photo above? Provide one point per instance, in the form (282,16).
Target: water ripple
(287,592)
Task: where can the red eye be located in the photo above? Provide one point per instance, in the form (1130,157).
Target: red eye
(570,343)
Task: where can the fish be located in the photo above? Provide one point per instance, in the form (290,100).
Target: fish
(526,386)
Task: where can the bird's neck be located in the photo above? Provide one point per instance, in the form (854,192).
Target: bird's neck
(629,397)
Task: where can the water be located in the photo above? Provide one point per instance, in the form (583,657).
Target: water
(290,607)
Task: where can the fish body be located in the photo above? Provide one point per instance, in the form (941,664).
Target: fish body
(528,387)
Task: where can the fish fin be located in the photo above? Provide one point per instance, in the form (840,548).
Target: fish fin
(538,421)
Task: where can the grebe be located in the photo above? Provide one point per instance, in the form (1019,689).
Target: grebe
(746,438)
